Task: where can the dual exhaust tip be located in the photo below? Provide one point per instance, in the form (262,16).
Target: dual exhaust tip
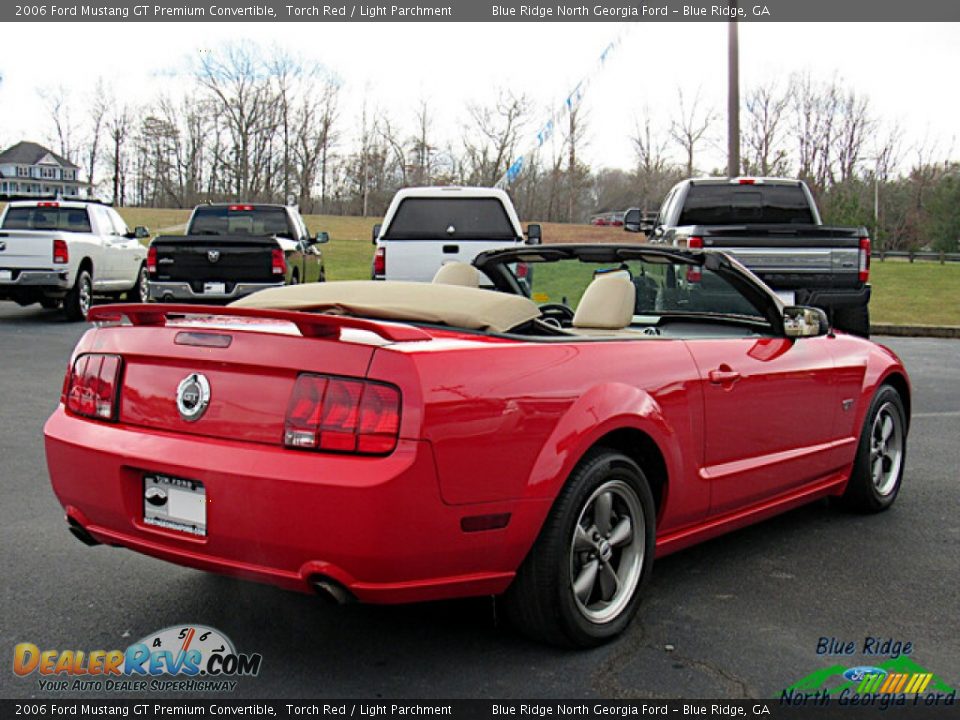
(327,588)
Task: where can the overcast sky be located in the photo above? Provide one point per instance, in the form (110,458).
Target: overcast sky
(908,70)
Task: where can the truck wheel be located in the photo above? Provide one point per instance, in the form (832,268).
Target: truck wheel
(854,320)
(580,584)
(77,302)
(878,469)
(140,293)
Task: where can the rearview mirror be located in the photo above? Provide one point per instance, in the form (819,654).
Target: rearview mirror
(376,232)
(632,220)
(322,237)
(799,322)
(140,232)
(534,236)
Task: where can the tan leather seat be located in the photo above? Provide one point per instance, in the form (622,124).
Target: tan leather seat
(607,304)
(457,273)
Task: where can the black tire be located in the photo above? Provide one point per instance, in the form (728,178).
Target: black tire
(140,293)
(878,469)
(854,320)
(542,602)
(78,301)
(295,278)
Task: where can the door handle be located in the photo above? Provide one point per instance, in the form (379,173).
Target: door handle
(451,249)
(724,375)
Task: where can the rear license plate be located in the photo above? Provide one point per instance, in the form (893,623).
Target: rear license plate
(215,288)
(6,274)
(787,297)
(175,504)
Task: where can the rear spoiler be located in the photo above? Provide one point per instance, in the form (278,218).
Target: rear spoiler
(312,325)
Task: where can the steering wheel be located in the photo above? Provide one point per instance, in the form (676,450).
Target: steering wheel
(556,311)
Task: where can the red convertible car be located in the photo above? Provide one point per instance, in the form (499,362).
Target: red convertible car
(397,442)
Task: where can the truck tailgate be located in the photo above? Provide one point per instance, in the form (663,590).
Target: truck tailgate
(199,258)
(24,249)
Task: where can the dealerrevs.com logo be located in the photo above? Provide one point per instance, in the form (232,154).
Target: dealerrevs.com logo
(178,658)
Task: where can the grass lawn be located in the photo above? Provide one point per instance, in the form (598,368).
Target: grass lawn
(924,293)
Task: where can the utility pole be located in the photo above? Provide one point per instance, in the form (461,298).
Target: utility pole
(733,97)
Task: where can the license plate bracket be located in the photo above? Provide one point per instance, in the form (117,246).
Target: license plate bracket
(175,504)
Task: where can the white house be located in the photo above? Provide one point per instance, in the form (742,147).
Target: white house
(31,169)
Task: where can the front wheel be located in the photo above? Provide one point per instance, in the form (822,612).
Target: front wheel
(580,584)
(77,302)
(878,469)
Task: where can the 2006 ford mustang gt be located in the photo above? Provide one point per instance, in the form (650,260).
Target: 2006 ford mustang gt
(538,425)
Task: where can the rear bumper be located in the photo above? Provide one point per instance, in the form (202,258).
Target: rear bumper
(377,526)
(180,291)
(53,279)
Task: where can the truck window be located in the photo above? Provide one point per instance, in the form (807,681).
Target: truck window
(47,218)
(432,218)
(256,221)
(763,204)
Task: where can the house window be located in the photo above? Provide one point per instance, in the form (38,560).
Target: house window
(23,171)
(48,173)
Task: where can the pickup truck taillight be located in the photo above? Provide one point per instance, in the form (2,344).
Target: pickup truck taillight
(694,275)
(342,415)
(279,262)
(151,259)
(864,259)
(61,254)
(695,242)
(380,262)
(93,386)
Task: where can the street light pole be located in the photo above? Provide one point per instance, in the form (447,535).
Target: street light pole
(733,97)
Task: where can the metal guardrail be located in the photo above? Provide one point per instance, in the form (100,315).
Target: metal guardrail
(940,257)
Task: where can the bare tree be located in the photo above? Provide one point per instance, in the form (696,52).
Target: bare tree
(118,129)
(96,114)
(689,126)
(765,153)
(491,137)
(57,104)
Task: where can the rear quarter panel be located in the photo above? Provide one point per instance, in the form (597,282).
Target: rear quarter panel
(510,421)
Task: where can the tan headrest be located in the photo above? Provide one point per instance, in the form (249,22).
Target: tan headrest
(607,304)
(457,273)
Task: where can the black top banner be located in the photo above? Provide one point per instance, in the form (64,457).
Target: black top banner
(853,11)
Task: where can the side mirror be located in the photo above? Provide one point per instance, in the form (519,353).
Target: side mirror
(633,220)
(140,232)
(376,232)
(534,236)
(799,322)
(322,238)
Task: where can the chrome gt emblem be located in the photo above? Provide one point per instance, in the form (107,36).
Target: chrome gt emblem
(193,396)
(213,255)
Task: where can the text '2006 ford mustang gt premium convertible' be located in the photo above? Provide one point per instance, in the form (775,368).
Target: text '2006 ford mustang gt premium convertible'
(397,442)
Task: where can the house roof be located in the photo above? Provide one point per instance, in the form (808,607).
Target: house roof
(30,153)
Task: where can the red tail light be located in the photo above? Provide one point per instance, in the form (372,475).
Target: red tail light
(522,270)
(342,415)
(695,242)
(864,259)
(93,386)
(694,275)
(240,208)
(48,204)
(279,262)
(151,259)
(747,181)
(380,262)
(61,254)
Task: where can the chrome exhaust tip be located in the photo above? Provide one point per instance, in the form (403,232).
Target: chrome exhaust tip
(332,590)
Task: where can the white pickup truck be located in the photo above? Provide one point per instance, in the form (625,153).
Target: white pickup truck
(65,252)
(427,227)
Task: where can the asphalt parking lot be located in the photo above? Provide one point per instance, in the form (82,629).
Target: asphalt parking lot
(740,616)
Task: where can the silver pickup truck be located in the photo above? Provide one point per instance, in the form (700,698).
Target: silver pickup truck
(772,226)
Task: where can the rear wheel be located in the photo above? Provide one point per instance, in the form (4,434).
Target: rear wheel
(854,320)
(878,469)
(580,584)
(77,302)
(141,291)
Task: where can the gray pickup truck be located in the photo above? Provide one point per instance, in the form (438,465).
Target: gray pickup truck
(772,226)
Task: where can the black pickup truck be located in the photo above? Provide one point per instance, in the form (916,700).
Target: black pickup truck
(772,226)
(231,250)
